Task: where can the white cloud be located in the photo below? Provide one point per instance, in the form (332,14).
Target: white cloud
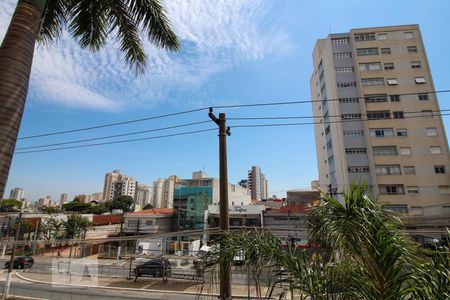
(216,35)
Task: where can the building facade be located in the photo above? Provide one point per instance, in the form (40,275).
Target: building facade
(118,184)
(257,183)
(143,195)
(17,194)
(63,199)
(163,191)
(377,119)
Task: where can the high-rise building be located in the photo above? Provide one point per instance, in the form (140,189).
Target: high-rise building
(17,194)
(163,191)
(143,195)
(63,199)
(117,184)
(257,184)
(377,119)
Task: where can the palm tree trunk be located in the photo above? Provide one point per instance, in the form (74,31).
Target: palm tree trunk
(16,57)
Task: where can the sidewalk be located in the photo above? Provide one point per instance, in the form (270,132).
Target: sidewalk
(147,284)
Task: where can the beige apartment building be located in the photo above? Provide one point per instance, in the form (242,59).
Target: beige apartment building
(377,119)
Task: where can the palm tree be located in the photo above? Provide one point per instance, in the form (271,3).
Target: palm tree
(90,22)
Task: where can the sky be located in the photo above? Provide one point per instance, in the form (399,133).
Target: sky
(233,52)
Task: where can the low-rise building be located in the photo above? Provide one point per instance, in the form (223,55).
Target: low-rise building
(155,220)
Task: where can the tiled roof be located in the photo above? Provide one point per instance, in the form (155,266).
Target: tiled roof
(153,211)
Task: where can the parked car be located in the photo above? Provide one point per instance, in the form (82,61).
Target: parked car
(239,258)
(155,267)
(21,262)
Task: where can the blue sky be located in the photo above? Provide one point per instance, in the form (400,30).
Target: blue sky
(233,52)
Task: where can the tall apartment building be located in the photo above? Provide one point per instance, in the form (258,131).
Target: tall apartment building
(377,119)
(257,184)
(143,195)
(117,184)
(63,199)
(17,194)
(163,191)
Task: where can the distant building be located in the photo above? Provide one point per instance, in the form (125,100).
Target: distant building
(143,195)
(17,194)
(155,220)
(163,192)
(44,202)
(243,183)
(118,184)
(63,199)
(258,184)
(95,197)
(302,197)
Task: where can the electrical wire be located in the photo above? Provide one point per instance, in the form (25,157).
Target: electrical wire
(205,108)
(118,142)
(114,136)
(112,124)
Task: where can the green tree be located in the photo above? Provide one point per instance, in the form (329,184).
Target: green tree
(51,229)
(125,203)
(148,206)
(76,226)
(10,205)
(76,206)
(90,23)
(51,210)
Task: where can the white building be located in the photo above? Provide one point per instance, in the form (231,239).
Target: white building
(17,194)
(143,196)
(163,191)
(118,184)
(258,184)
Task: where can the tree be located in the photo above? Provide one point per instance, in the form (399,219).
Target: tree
(51,210)
(90,23)
(122,202)
(10,205)
(51,229)
(76,226)
(148,206)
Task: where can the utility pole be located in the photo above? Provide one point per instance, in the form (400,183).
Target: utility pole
(11,260)
(225,270)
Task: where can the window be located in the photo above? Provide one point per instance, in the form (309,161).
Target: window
(444,189)
(350,116)
(412,190)
(354,132)
(391,189)
(364,37)
(412,49)
(342,55)
(435,150)
(349,100)
(440,170)
(375,98)
(431,131)
(385,51)
(423,97)
(416,65)
(382,36)
(389,66)
(392,81)
(375,66)
(149,223)
(372,81)
(132,223)
(404,150)
(381,132)
(346,84)
(384,150)
(340,41)
(355,150)
(402,132)
(398,115)
(344,69)
(378,115)
(358,169)
(420,80)
(395,98)
(388,170)
(409,170)
(366,51)
(408,35)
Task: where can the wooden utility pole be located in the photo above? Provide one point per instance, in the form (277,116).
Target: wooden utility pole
(225,270)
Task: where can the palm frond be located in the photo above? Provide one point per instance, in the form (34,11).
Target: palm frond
(53,21)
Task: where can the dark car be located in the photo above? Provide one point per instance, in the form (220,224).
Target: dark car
(21,262)
(154,267)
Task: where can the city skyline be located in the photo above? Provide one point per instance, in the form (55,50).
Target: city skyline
(267,60)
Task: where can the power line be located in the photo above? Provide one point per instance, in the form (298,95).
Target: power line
(118,142)
(205,108)
(328,122)
(114,136)
(332,116)
(112,124)
(317,100)
(204,130)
